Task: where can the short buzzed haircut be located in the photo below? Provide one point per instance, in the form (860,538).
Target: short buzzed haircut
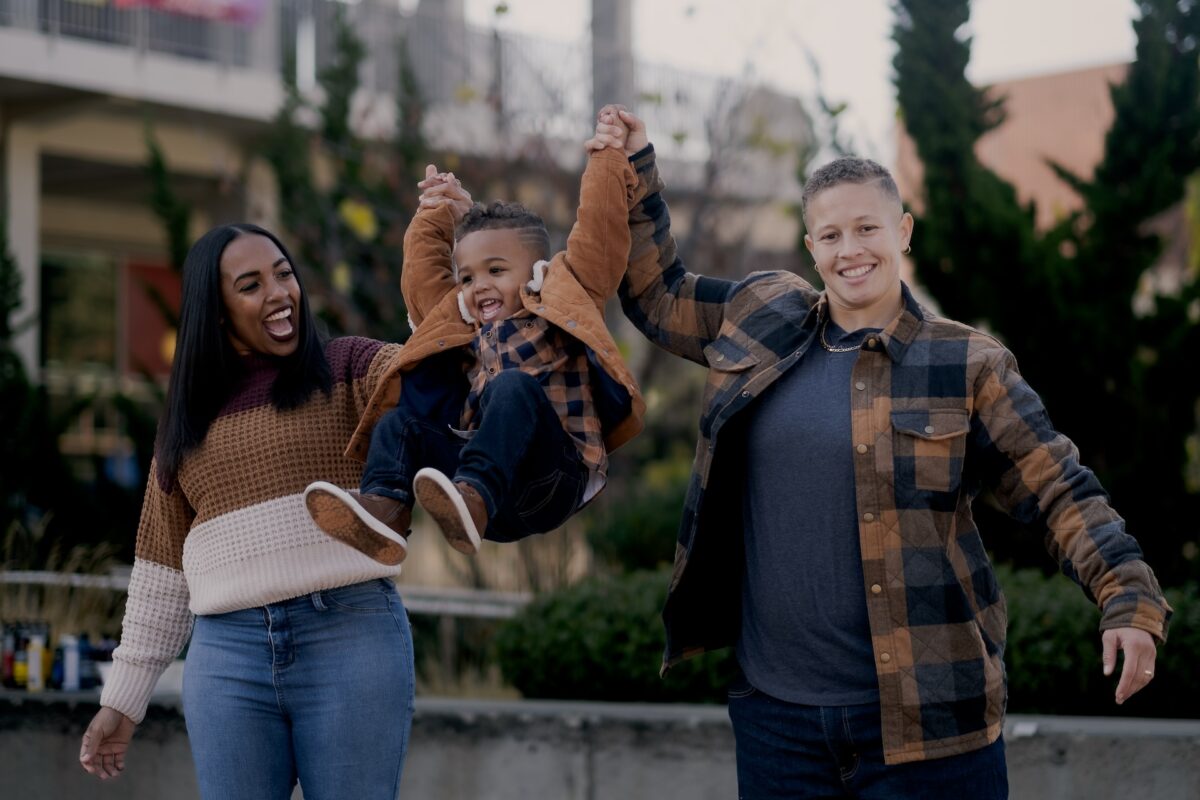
(499,215)
(849,169)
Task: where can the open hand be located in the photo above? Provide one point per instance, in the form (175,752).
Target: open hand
(102,752)
(1138,651)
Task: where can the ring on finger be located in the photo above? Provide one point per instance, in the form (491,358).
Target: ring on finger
(1149,673)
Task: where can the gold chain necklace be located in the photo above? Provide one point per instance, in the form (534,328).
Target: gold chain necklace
(830,348)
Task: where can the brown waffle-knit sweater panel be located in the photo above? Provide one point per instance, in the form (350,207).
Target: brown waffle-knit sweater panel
(231,531)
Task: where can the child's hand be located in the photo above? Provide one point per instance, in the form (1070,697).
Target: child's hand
(610,131)
(443,189)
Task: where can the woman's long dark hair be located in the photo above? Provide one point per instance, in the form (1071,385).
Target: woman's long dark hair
(206,368)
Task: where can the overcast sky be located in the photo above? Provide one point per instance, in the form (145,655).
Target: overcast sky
(850,39)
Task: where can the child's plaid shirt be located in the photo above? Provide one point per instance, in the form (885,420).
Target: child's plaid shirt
(533,345)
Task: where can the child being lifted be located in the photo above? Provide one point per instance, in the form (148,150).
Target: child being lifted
(498,414)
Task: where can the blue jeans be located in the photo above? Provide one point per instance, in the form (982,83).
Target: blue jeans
(525,466)
(785,750)
(318,688)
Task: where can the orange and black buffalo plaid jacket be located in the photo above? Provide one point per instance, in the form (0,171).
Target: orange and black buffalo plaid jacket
(939,413)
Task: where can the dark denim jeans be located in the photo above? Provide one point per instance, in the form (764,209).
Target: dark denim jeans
(524,465)
(785,750)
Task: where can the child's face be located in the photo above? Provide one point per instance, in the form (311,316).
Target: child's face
(493,265)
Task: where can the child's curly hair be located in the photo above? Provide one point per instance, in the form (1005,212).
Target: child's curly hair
(499,215)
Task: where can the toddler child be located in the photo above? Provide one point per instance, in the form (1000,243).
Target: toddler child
(498,414)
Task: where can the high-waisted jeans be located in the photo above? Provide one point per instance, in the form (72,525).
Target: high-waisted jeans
(317,689)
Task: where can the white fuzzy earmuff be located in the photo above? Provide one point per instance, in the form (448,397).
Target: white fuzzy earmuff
(539,277)
(462,309)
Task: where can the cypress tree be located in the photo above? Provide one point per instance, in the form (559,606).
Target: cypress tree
(1121,382)
(348,232)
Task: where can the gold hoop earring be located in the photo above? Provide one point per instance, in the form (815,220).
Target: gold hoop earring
(907,249)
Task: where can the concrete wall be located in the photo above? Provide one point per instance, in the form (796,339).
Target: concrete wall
(478,750)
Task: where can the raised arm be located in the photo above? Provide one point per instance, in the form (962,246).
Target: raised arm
(678,310)
(428,273)
(598,245)
(1035,473)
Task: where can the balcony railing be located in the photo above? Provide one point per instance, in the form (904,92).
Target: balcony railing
(142,29)
(529,85)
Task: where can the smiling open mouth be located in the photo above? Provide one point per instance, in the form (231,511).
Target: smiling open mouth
(279,325)
(489,309)
(856,272)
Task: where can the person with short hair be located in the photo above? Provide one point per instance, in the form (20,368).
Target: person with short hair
(499,413)
(827,533)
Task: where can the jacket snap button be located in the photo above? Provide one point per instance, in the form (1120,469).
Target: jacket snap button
(720,356)
(862,448)
(871,342)
(869,517)
(929,429)
(876,588)
(860,386)
(885,657)
(745,394)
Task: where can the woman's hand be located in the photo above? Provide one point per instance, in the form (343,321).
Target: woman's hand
(618,126)
(1138,652)
(610,131)
(105,742)
(443,189)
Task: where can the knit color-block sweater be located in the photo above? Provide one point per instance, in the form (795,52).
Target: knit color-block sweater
(232,531)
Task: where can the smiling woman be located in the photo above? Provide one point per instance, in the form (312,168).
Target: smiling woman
(258,407)
(261,295)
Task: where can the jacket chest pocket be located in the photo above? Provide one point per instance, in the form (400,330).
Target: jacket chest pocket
(928,448)
(729,368)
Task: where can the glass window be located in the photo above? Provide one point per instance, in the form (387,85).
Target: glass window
(79,311)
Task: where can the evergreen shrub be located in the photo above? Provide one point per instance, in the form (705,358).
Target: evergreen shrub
(603,640)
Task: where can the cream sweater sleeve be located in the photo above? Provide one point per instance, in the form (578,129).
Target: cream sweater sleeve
(157,619)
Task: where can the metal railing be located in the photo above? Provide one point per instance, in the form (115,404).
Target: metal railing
(531,86)
(434,601)
(141,29)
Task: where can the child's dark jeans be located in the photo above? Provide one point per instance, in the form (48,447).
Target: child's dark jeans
(520,460)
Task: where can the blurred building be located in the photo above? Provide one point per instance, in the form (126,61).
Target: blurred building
(83,83)
(1060,118)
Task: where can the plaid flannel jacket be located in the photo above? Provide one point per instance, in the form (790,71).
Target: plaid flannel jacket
(558,361)
(939,412)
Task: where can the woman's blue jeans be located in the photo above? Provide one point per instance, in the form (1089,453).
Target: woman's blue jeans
(317,689)
(785,750)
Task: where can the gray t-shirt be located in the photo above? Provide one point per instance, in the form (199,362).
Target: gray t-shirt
(805,636)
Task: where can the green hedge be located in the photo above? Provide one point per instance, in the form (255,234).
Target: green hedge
(603,640)
(1053,654)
